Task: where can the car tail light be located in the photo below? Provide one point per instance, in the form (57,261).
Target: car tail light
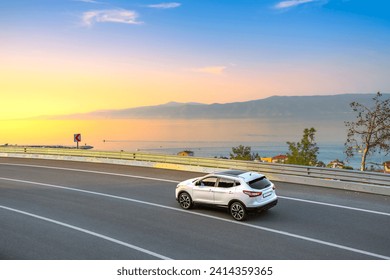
(252,194)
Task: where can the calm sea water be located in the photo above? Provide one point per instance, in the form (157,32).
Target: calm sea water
(207,138)
(327,151)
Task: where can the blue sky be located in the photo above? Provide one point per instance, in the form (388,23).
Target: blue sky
(150,52)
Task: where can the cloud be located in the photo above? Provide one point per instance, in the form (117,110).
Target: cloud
(116,16)
(292,3)
(170,5)
(215,70)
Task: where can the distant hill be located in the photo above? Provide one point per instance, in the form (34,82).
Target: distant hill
(292,107)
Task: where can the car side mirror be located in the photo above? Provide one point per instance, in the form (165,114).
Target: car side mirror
(198,183)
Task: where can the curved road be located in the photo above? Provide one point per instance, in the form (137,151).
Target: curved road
(70,210)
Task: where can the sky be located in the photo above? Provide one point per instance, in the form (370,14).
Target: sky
(75,56)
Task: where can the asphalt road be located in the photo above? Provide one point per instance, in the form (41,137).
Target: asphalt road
(68,210)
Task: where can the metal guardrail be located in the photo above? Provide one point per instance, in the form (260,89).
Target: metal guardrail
(308,172)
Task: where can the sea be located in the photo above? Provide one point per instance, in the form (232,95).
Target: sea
(205,137)
(327,151)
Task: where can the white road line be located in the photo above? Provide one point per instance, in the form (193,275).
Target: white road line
(88,192)
(159,256)
(92,171)
(176,182)
(334,205)
(285,233)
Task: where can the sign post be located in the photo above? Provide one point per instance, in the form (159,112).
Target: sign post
(77,139)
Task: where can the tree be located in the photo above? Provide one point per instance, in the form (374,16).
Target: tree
(304,152)
(370,132)
(243,153)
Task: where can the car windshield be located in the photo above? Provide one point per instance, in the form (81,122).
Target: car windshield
(259,183)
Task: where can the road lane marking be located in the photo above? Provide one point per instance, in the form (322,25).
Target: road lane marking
(92,171)
(176,182)
(284,233)
(334,205)
(105,237)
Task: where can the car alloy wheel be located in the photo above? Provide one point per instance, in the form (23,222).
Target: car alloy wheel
(185,200)
(238,211)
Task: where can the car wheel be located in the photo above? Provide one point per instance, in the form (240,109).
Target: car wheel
(185,200)
(238,211)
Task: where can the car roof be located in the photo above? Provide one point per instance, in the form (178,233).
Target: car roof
(246,175)
(231,172)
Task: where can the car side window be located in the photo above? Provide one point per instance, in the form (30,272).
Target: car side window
(225,183)
(209,182)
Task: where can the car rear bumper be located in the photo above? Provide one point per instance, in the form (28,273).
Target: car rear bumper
(263,207)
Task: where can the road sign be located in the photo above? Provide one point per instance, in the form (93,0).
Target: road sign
(77,138)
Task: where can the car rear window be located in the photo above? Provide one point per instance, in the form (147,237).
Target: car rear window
(259,183)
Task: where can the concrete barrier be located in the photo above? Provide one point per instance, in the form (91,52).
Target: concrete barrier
(366,182)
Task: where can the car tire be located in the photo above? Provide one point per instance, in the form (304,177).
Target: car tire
(185,200)
(238,211)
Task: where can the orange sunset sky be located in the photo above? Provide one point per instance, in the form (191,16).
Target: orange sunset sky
(68,56)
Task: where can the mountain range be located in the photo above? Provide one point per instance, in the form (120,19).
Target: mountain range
(296,107)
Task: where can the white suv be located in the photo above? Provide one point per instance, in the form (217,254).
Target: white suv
(239,191)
